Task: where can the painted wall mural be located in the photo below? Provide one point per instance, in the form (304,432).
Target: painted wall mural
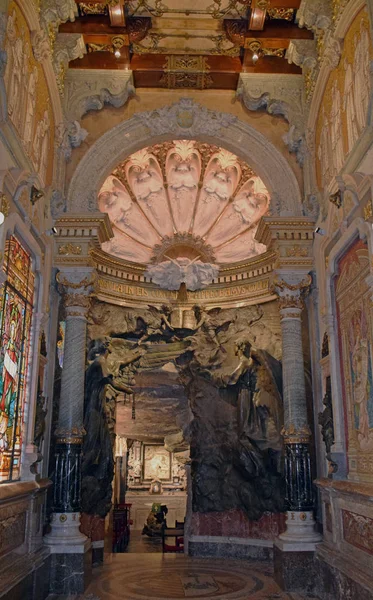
(356,335)
(16,305)
(29,106)
(343,111)
(184,199)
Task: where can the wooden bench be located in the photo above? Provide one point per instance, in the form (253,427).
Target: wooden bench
(173,532)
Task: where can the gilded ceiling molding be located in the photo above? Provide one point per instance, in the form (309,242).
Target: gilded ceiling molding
(183,120)
(91,89)
(279,95)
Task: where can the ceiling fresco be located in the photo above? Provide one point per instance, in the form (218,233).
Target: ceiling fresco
(184,199)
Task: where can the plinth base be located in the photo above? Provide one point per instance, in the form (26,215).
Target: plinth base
(71,573)
(300,529)
(294,567)
(71,555)
(98,553)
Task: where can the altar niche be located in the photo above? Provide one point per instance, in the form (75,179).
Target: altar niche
(215,379)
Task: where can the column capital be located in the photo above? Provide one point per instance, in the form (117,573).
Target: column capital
(291,292)
(77,285)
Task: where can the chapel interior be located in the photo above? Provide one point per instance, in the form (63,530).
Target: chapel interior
(186,299)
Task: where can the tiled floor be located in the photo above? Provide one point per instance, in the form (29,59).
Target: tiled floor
(142,544)
(154,576)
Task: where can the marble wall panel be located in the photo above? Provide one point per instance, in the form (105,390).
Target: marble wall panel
(235,523)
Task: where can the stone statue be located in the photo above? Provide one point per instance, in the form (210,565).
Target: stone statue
(98,461)
(237,408)
(156,322)
(327,428)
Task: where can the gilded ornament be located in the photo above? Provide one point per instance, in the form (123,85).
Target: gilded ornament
(294,435)
(289,301)
(93,8)
(286,14)
(69,249)
(186,72)
(296,251)
(86,282)
(302,285)
(4,204)
(77,300)
(368,210)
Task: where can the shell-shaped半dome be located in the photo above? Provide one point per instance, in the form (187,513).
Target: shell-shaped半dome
(184,198)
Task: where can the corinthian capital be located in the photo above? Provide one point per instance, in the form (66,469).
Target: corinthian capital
(291,292)
(76,286)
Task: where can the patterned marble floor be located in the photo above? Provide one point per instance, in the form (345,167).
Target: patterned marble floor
(172,577)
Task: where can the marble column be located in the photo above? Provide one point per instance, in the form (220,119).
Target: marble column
(294,548)
(69,547)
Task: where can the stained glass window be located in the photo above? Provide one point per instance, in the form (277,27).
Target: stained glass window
(16,303)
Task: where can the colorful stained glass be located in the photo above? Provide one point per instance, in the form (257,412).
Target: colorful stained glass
(16,303)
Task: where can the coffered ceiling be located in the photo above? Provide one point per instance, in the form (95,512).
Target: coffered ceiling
(191,44)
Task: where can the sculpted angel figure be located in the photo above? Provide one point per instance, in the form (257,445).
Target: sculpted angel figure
(183,175)
(172,273)
(206,322)
(218,185)
(156,322)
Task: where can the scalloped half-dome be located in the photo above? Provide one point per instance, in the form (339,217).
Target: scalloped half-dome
(185,198)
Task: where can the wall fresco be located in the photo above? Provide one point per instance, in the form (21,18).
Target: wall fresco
(29,105)
(343,110)
(355,330)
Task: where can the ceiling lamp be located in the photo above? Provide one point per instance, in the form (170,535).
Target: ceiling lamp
(256,49)
(118,43)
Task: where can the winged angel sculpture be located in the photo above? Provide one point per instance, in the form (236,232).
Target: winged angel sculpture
(170,274)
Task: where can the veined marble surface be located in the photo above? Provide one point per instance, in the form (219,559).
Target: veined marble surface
(169,577)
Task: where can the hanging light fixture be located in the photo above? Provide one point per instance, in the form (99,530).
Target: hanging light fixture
(256,49)
(118,43)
